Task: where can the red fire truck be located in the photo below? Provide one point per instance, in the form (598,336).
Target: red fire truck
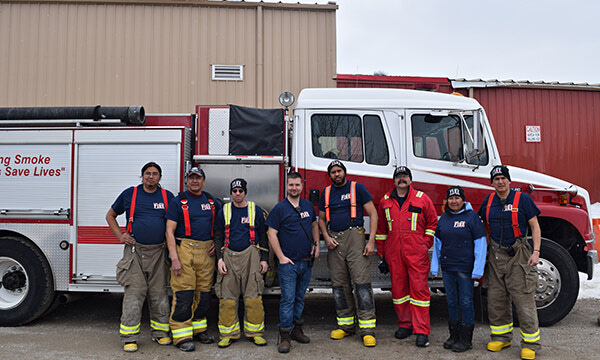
(60,170)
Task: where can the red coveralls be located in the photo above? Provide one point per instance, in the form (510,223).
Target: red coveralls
(404,236)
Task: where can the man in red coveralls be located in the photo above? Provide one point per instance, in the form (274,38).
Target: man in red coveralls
(406,226)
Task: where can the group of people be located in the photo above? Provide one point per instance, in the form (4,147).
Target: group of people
(201,236)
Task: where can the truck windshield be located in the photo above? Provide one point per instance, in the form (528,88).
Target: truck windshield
(446,138)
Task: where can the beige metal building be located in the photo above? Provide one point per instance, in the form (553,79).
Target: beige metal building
(166,55)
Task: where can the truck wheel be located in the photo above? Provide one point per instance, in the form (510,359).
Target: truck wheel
(27,286)
(558,283)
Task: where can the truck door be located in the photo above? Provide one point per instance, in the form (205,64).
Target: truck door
(440,146)
(108,162)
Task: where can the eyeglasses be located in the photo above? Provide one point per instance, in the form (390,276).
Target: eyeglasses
(237,191)
(156,173)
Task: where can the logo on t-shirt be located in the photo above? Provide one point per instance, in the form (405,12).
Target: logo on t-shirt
(304,214)
(345,197)
(459,224)
(205,207)
(245,220)
(159,206)
(507,207)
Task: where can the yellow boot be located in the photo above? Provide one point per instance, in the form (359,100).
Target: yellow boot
(339,334)
(497,345)
(527,354)
(369,340)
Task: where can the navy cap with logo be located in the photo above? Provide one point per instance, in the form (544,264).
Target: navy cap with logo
(455,191)
(336,163)
(402,170)
(499,170)
(239,183)
(196,170)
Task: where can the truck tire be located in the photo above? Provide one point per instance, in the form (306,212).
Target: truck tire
(27,285)
(558,283)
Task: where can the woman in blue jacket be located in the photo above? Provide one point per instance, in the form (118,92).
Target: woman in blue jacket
(459,247)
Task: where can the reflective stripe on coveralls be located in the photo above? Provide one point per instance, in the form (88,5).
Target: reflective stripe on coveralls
(130,330)
(159,326)
(501,329)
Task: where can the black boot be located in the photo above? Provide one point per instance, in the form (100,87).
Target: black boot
(453,328)
(297,333)
(465,338)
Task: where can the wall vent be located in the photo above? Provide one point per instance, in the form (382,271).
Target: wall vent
(228,72)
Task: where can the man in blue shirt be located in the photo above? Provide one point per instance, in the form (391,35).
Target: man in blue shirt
(510,269)
(142,271)
(190,221)
(341,223)
(293,235)
(242,251)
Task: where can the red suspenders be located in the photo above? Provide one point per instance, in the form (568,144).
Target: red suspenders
(514,216)
(186,213)
(132,207)
(352,201)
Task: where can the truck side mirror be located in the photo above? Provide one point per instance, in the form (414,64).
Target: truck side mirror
(313,196)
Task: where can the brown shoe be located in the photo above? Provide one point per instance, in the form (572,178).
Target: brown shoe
(204,338)
(283,342)
(297,333)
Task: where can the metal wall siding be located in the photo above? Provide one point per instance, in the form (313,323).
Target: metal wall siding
(160,55)
(570,130)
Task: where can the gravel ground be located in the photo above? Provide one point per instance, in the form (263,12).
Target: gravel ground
(88,328)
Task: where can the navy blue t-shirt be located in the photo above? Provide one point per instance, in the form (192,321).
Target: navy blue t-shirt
(239,228)
(500,220)
(149,215)
(458,233)
(286,220)
(339,205)
(201,216)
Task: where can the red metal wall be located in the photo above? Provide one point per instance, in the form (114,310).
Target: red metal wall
(570,131)
(397,82)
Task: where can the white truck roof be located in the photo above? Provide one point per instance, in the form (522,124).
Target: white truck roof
(371,98)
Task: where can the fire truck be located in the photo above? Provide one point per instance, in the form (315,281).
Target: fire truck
(61,169)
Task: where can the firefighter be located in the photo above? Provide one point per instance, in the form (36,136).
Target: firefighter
(143,271)
(341,223)
(241,244)
(190,224)
(510,271)
(407,222)
(459,247)
(293,232)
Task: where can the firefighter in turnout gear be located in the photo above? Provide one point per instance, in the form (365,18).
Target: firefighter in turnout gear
(190,224)
(510,271)
(407,222)
(341,223)
(143,270)
(242,252)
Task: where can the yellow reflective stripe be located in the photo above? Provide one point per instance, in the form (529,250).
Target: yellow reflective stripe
(200,324)
(159,326)
(129,330)
(419,194)
(380,237)
(183,332)
(388,217)
(430,232)
(501,329)
(229,329)
(251,212)
(419,303)
(254,327)
(227,213)
(413,221)
(365,324)
(401,300)
(345,320)
(531,337)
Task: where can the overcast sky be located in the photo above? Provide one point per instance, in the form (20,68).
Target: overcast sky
(547,40)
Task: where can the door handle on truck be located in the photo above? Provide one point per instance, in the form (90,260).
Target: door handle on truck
(313,196)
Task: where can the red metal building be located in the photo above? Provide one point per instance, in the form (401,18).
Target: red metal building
(553,128)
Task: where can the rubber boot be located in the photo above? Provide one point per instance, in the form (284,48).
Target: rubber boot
(297,333)
(453,328)
(283,342)
(465,337)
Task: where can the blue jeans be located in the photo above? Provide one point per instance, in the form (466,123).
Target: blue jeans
(459,295)
(293,280)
